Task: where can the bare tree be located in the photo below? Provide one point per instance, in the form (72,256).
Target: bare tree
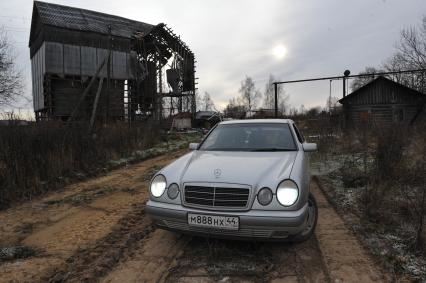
(302,110)
(410,54)
(269,96)
(198,101)
(10,78)
(361,81)
(235,109)
(249,94)
(207,102)
(332,103)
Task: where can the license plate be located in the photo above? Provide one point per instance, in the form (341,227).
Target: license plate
(213,221)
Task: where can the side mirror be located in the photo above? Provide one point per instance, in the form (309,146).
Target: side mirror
(193,146)
(309,147)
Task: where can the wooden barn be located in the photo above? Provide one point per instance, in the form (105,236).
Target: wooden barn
(382,102)
(87,64)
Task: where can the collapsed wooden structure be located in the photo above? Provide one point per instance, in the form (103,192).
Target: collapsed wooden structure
(88,65)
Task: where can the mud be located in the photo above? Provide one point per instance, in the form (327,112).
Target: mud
(97,231)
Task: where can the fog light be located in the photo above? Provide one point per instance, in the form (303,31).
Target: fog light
(173,191)
(264,196)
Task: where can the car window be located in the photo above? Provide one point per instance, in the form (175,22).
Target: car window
(299,135)
(250,137)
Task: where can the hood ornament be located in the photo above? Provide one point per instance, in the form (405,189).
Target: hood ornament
(217,173)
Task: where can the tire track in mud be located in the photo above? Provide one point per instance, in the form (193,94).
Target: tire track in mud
(213,260)
(89,264)
(156,255)
(78,224)
(344,256)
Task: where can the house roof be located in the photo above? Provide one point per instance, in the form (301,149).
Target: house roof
(86,20)
(375,81)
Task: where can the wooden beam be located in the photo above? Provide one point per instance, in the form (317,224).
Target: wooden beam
(95,105)
(86,91)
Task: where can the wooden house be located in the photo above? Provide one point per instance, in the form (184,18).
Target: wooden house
(382,102)
(130,66)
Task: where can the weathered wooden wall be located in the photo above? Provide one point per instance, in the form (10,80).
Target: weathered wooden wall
(38,69)
(66,93)
(382,102)
(64,60)
(384,114)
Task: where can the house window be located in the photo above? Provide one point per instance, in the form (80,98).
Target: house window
(393,99)
(398,115)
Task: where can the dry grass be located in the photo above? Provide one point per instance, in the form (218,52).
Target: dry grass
(378,177)
(39,157)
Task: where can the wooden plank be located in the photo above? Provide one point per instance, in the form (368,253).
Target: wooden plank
(119,65)
(95,105)
(101,54)
(88,61)
(54,58)
(72,60)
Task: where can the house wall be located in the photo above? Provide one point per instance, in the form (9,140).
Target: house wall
(382,103)
(384,92)
(38,69)
(74,60)
(66,94)
(64,60)
(374,114)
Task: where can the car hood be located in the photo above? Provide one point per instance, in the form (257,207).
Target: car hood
(250,168)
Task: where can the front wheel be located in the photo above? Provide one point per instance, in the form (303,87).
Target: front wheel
(311,221)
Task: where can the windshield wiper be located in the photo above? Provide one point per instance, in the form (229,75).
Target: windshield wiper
(272,149)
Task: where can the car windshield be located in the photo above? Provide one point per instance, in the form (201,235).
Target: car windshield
(250,137)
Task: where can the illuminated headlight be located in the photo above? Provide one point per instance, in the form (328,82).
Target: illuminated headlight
(158,186)
(173,191)
(264,196)
(287,193)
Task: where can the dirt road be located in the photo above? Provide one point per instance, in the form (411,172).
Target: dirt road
(97,231)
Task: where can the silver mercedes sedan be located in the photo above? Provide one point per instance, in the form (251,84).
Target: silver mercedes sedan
(247,179)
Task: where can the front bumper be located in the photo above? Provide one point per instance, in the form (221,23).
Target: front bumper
(254,224)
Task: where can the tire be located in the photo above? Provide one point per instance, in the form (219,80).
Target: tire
(311,221)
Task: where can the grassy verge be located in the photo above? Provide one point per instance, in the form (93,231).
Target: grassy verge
(38,158)
(382,209)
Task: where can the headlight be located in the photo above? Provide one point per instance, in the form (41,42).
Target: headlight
(264,196)
(158,185)
(287,193)
(173,191)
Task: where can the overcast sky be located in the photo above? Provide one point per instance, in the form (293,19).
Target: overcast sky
(232,39)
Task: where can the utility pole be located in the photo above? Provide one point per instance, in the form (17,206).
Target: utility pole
(346,74)
(276,99)
(108,75)
(329,100)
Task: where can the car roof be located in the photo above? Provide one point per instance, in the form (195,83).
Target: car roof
(257,121)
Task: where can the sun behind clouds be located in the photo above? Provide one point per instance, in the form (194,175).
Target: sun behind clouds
(279,51)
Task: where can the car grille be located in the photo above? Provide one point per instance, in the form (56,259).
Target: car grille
(217,196)
(242,232)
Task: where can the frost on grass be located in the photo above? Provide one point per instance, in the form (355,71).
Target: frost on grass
(391,243)
(158,149)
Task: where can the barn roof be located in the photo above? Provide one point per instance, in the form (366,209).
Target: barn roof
(86,20)
(375,81)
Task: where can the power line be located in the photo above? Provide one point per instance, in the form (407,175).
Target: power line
(15,28)
(11,30)
(344,78)
(21,28)
(15,17)
(352,76)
